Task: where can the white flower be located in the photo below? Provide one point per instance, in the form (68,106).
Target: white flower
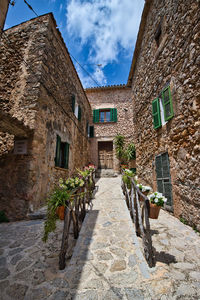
(159,195)
(164,199)
(156,200)
(146,188)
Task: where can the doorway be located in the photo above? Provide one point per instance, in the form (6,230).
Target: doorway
(105,155)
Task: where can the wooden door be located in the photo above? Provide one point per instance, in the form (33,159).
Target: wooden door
(105,150)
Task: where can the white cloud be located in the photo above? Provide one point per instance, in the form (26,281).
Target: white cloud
(105,26)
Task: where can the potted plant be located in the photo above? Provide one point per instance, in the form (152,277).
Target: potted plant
(144,189)
(56,203)
(156,201)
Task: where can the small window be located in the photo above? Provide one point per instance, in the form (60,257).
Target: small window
(162,108)
(62,154)
(76,108)
(91,131)
(105,115)
(158,34)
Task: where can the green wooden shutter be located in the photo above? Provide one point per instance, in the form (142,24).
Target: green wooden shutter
(165,165)
(167,104)
(159,166)
(66,155)
(156,113)
(73,103)
(164,185)
(95,115)
(79,113)
(91,131)
(113,115)
(57,157)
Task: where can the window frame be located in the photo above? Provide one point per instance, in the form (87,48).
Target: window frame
(62,154)
(97,115)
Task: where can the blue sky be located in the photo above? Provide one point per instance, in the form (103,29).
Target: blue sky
(100,34)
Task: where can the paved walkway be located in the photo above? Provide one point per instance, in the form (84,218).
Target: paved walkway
(107,261)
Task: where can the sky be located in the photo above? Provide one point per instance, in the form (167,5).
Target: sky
(99,34)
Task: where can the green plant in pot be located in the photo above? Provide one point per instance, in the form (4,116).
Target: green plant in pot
(156,201)
(59,197)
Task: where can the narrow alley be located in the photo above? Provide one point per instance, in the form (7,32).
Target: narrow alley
(107,261)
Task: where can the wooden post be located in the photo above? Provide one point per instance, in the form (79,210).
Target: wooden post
(65,235)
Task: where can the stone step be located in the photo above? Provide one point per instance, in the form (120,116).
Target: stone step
(100,173)
(38,214)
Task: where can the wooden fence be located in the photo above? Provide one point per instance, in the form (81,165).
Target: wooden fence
(75,212)
(138,205)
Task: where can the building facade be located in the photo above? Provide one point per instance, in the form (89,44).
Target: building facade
(112,114)
(3,12)
(164,77)
(44,114)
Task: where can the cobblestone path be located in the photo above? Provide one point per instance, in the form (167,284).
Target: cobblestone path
(107,261)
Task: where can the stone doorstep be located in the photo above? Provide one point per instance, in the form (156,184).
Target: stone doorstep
(108,173)
(38,214)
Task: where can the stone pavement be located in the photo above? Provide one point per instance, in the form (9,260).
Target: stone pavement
(107,261)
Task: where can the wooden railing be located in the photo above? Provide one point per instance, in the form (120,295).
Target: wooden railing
(138,205)
(75,212)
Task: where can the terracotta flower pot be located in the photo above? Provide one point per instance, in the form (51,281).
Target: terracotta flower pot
(154,211)
(61,212)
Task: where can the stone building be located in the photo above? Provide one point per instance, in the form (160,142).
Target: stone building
(3,12)
(44,115)
(164,77)
(112,114)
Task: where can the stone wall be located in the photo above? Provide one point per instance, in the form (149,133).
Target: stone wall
(3,12)
(37,82)
(111,97)
(174,61)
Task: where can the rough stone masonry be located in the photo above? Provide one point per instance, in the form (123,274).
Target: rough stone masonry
(38,81)
(167,54)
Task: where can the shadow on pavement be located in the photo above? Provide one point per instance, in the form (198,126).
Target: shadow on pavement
(154,231)
(164,257)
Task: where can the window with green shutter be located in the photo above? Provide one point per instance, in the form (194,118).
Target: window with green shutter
(167,103)
(79,113)
(105,115)
(91,133)
(62,154)
(156,113)
(164,185)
